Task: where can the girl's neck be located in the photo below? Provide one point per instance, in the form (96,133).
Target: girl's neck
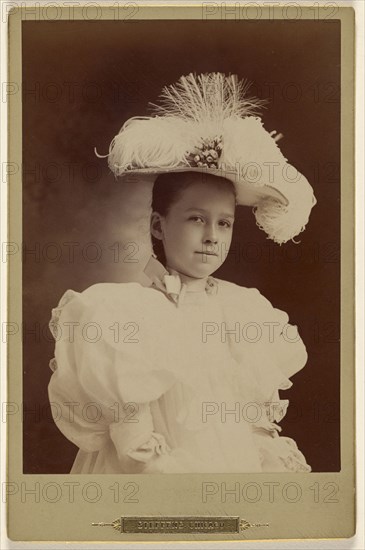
(193,284)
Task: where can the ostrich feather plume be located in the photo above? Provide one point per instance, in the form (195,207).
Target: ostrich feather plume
(210,121)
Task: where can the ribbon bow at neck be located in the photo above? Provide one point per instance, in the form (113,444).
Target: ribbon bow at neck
(174,287)
(171,284)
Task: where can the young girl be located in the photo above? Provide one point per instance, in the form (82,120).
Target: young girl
(183,374)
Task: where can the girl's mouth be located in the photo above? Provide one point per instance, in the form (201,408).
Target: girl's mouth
(207,253)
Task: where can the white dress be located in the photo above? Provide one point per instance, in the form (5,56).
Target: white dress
(160,379)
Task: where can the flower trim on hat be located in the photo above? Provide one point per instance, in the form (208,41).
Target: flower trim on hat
(208,154)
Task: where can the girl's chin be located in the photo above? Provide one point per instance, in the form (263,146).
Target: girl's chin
(206,260)
(199,267)
(204,268)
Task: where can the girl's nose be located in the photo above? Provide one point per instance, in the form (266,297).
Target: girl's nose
(211,240)
(211,237)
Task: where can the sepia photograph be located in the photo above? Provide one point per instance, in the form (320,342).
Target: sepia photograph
(181,271)
(181,221)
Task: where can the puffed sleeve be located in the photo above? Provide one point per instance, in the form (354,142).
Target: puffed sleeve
(288,356)
(282,338)
(276,351)
(106,371)
(268,358)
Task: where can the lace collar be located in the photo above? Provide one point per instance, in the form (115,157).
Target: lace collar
(171,283)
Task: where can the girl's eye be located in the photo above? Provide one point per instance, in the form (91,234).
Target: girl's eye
(225,224)
(196,218)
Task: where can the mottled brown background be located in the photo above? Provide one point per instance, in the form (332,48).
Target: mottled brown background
(81,81)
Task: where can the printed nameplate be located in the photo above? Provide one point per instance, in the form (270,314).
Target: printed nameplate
(180,524)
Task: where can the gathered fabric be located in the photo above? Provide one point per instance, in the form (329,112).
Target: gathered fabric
(163,379)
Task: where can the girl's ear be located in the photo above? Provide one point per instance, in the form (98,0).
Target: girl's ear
(156,225)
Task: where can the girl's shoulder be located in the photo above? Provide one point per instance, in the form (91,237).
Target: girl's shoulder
(232,292)
(111,300)
(248,300)
(111,292)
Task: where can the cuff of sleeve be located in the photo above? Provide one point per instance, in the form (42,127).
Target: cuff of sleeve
(127,436)
(154,447)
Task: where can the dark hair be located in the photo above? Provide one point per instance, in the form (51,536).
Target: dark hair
(169,187)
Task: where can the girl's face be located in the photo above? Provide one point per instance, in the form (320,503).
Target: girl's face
(197,231)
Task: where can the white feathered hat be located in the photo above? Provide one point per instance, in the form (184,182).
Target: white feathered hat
(207,123)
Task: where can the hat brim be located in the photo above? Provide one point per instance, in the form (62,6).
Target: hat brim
(248,194)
